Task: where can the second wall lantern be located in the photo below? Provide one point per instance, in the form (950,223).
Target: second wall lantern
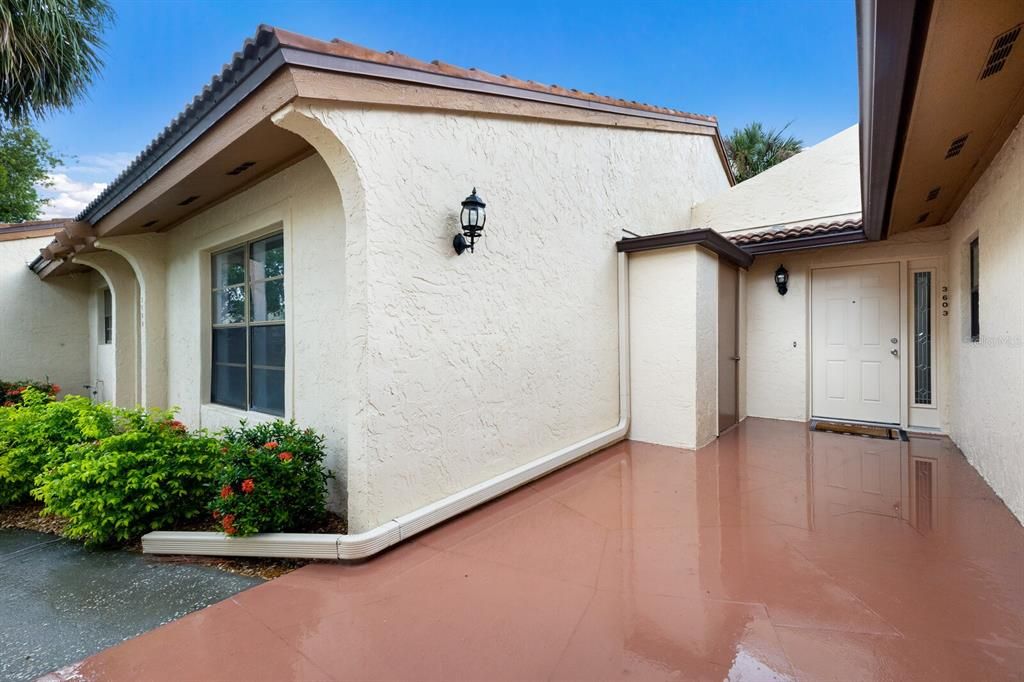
(782,280)
(473,218)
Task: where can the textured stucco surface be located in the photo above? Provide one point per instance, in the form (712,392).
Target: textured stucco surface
(821,181)
(44,326)
(673,346)
(777,327)
(475,364)
(987,378)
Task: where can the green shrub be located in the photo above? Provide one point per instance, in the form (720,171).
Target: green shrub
(272,480)
(150,474)
(11,391)
(38,431)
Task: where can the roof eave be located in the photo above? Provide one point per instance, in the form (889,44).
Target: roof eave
(704,237)
(890,42)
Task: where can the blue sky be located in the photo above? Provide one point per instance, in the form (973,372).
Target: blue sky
(777,61)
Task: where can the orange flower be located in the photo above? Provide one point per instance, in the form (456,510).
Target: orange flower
(270,445)
(228,522)
(224,450)
(248,486)
(226,492)
(8,403)
(285,456)
(216,514)
(55,388)
(177,425)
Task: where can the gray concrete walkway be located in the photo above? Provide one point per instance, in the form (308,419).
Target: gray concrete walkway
(60,602)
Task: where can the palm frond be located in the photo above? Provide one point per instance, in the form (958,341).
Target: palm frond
(752,149)
(49,53)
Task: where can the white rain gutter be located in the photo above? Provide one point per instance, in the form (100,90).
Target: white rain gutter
(362,545)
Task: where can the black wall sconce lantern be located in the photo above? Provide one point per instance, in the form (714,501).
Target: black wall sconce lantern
(782,280)
(473,218)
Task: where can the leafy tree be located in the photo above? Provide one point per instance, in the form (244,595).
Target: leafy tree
(49,53)
(25,162)
(753,149)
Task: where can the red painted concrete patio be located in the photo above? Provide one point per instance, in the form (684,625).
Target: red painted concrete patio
(773,553)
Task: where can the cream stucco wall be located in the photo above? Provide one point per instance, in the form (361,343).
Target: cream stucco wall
(777,360)
(44,326)
(471,365)
(821,181)
(987,377)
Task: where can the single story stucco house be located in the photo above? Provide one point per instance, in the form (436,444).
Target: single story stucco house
(285,248)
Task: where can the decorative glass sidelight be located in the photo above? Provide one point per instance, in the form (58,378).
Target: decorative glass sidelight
(923,338)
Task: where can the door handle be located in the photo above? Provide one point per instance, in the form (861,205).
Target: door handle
(895,353)
(735,357)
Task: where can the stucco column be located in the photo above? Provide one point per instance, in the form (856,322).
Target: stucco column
(120,277)
(312,124)
(673,328)
(146,255)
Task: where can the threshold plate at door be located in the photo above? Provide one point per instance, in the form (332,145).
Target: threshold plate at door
(866,430)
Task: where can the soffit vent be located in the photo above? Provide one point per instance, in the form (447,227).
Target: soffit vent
(151,223)
(189,200)
(923,217)
(1000,52)
(933,194)
(241,168)
(956,146)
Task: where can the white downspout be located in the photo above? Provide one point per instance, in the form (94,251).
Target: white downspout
(362,545)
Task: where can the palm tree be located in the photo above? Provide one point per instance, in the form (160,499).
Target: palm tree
(752,150)
(49,53)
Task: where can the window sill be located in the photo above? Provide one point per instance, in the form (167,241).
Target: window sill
(215,417)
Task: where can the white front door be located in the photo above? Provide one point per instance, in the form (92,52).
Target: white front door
(855,343)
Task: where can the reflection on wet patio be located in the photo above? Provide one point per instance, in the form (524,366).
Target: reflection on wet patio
(772,553)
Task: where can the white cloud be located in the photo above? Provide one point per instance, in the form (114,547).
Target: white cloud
(68,197)
(74,186)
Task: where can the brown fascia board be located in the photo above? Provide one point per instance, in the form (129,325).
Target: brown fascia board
(706,238)
(890,44)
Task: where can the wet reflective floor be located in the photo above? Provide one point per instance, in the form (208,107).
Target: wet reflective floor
(774,553)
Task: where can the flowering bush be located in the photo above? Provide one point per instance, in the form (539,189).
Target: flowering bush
(150,473)
(11,391)
(272,479)
(38,430)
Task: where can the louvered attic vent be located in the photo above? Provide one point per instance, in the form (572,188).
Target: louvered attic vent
(933,193)
(1000,52)
(956,146)
(189,200)
(923,217)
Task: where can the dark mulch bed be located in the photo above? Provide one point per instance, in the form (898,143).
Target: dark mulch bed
(27,516)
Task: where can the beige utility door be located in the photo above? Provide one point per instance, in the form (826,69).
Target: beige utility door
(855,343)
(728,345)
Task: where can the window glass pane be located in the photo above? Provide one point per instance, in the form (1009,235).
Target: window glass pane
(923,338)
(267,390)
(268,301)
(268,346)
(108,317)
(229,268)
(229,305)
(228,385)
(229,346)
(266,258)
(975,286)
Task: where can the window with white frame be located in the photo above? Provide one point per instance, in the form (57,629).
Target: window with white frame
(247,368)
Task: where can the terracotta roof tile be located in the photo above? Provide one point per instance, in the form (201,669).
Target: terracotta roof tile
(783,232)
(341,48)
